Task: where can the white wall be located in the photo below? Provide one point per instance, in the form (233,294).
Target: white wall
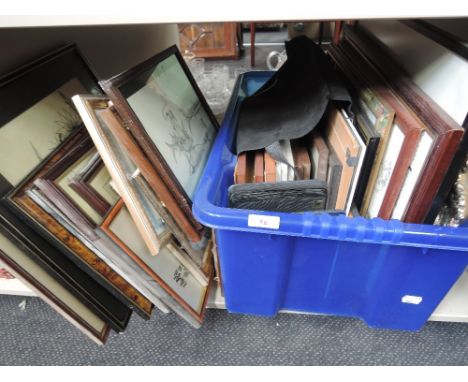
(440,73)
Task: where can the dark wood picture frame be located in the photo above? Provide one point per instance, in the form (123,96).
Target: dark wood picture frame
(45,182)
(81,184)
(25,273)
(20,91)
(453,44)
(66,154)
(118,88)
(410,126)
(425,203)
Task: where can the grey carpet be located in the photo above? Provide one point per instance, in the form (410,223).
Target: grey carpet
(39,336)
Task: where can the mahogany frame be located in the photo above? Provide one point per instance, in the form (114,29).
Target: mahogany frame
(113,87)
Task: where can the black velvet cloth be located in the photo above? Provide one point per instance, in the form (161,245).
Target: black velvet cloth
(293,101)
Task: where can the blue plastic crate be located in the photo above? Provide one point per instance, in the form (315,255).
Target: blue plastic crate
(388,273)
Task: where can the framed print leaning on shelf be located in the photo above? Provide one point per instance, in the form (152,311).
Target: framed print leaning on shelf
(103,247)
(120,166)
(165,112)
(37,116)
(52,292)
(166,268)
(72,151)
(139,185)
(93,184)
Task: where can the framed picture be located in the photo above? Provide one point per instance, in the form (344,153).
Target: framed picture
(165,112)
(52,292)
(381,115)
(139,185)
(343,139)
(93,184)
(447,157)
(51,178)
(102,247)
(167,269)
(37,116)
(54,181)
(417,145)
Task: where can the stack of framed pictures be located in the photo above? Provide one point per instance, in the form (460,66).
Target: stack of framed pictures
(95,208)
(413,149)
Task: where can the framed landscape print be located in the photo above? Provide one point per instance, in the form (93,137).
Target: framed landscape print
(37,116)
(164,110)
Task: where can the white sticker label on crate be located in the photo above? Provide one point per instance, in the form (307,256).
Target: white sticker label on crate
(264,221)
(408,299)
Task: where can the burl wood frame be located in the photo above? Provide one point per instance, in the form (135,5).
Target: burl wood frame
(75,146)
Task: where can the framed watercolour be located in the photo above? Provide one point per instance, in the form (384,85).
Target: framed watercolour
(165,112)
(141,188)
(37,117)
(166,269)
(51,178)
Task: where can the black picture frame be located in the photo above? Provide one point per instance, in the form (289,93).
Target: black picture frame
(19,92)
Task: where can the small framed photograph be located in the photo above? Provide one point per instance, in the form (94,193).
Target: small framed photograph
(166,114)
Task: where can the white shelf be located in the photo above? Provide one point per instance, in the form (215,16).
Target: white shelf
(22,13)
(14,287)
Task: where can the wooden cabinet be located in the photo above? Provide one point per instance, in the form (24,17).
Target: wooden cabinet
(209,40)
